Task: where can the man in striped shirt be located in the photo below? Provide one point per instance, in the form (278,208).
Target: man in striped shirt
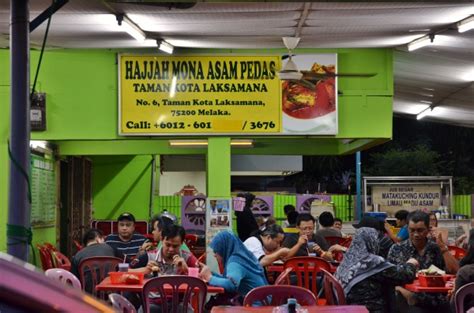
(126,242)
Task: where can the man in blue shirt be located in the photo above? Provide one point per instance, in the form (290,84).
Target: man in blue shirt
(401,216)
(126,242)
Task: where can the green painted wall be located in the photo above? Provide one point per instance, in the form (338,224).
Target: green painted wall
(121,184)
(463,205)
(170,203)
(40,236)
(218,167)
(279,201)
(82,93)
(4,131)
(3,194)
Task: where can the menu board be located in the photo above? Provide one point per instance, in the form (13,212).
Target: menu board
(43,191)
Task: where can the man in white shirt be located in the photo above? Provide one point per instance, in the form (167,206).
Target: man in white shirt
(265,245)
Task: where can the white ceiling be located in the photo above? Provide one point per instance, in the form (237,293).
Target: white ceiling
(441,73)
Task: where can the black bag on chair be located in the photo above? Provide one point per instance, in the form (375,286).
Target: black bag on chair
(232,299)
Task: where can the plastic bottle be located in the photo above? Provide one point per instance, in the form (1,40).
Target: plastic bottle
(292,305)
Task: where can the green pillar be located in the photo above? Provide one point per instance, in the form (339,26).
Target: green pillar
(218,167)
(3,195)
(218,179)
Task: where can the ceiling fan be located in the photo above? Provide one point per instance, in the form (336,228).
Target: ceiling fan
(290,70)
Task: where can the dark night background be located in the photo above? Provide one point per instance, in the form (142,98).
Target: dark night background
(418,148)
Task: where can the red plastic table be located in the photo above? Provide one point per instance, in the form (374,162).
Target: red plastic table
(311,309)
(415,287)
(278,268)
(106,285)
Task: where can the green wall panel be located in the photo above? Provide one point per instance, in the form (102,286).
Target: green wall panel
(170,203)
(279,201)
(463,204)
(218,167)
(372,113)
(343,207)
(121,184)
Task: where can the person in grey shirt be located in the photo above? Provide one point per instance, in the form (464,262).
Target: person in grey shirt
(326,223)
(94,245)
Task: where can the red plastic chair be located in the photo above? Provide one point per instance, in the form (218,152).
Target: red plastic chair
(284,277)
(50,246)
(64,277)
(60,260)
(77,245)
(93,270)
(194,287)
(279,295)
(190,240)
(460,296)
(45,257)
(457,252)
(333,291)
(306,270)
(121,304)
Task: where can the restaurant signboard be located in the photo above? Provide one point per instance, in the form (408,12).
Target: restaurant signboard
(199,95)
(226,95)
(392,198)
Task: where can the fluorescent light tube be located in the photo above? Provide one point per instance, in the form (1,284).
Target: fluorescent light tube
(241,143)
(165,47)
(201,143)
(131,28)
(466,24)
(188,143)
(424,113)
(420,42)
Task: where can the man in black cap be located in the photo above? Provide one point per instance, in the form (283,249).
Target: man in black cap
(126,242)
(385,243)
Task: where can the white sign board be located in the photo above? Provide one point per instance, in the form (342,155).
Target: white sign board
(390,199)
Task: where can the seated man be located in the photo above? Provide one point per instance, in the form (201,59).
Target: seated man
(94,245)
(170,258)
(265,245)
(306,242)
(427,253)
(157,224)
(338,225)
(291,228)
(326,223)
(126,243)
(287,209)
(402,222)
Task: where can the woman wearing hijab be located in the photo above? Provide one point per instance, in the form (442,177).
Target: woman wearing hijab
(367,278)
(242,271)
(246,223)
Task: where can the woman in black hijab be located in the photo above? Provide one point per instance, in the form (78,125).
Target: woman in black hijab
(246,223)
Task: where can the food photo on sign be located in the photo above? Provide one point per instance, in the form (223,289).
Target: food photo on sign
(309,104)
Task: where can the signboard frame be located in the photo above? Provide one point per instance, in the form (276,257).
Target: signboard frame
(445,182)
